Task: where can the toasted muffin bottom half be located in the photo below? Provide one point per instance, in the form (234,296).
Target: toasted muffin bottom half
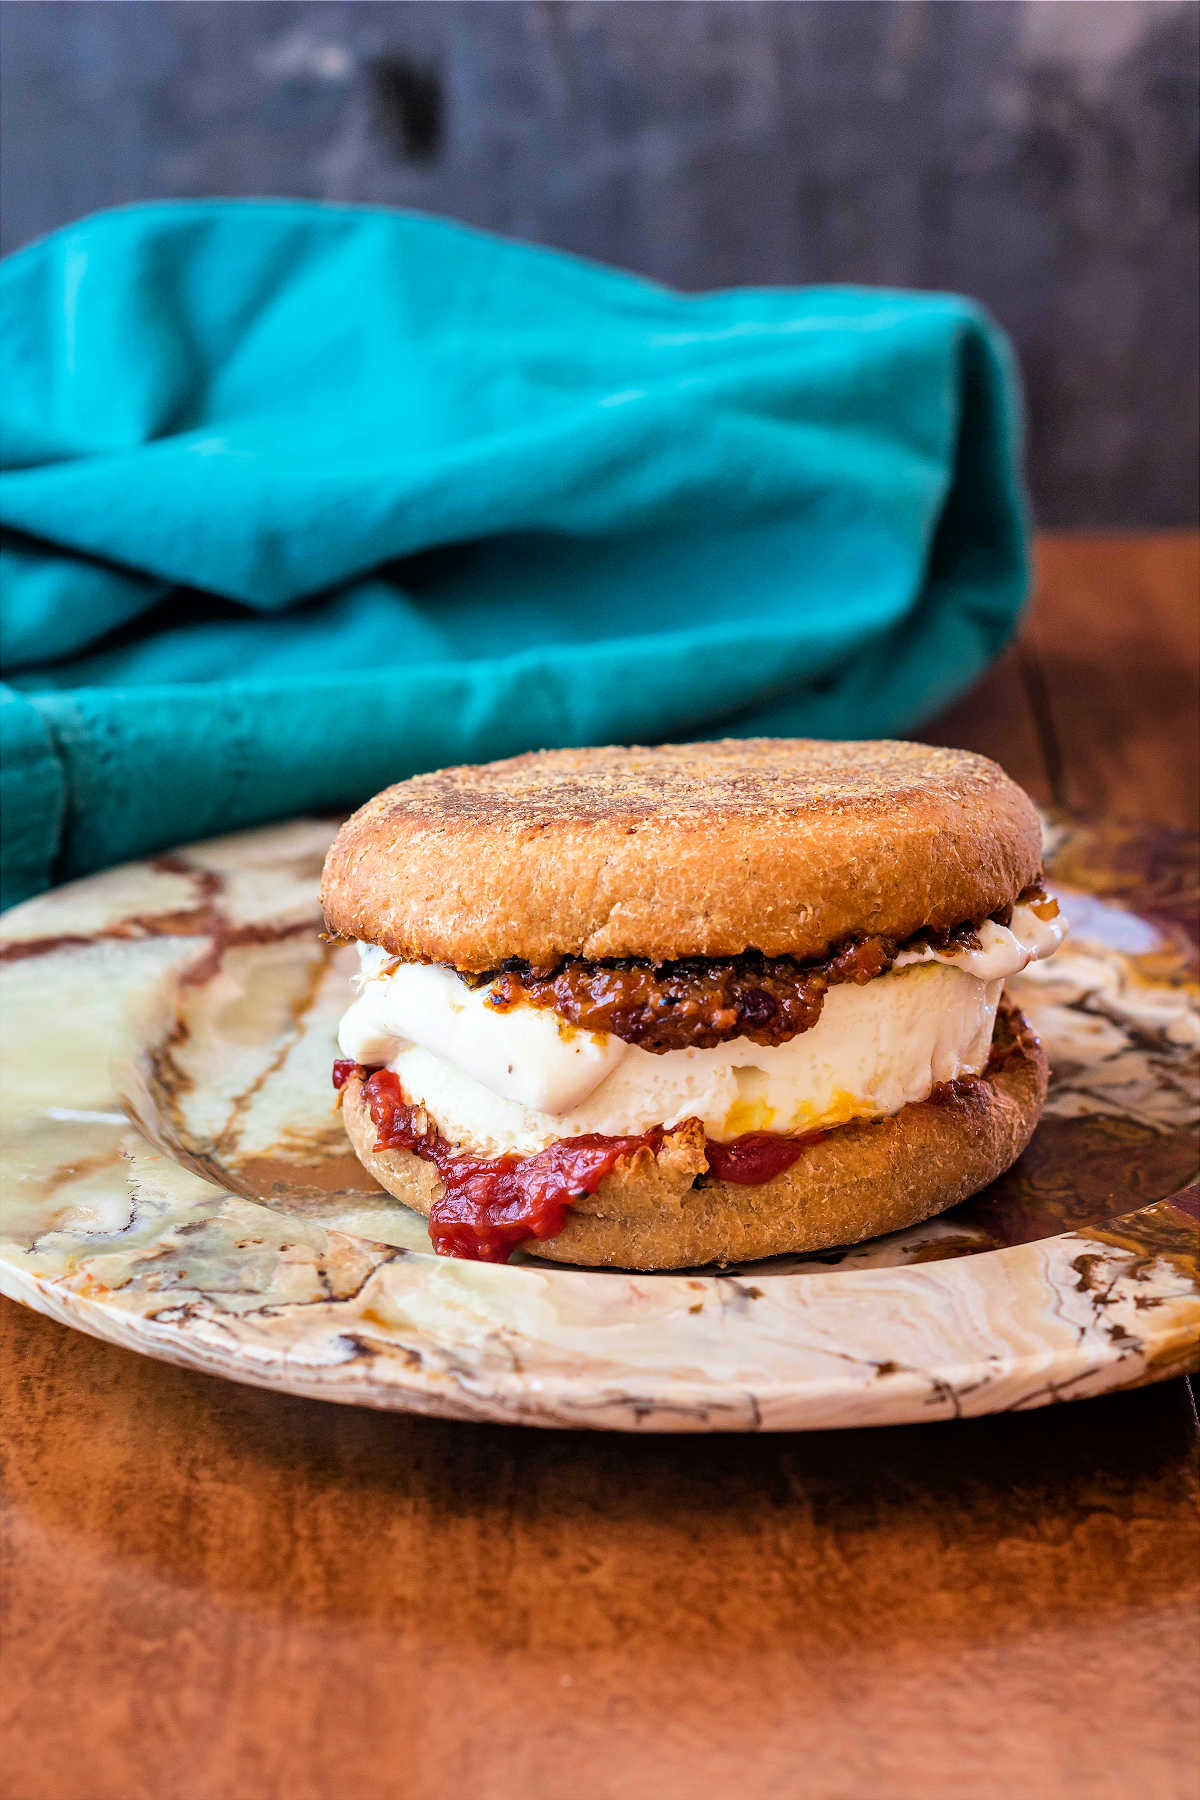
(664,1211)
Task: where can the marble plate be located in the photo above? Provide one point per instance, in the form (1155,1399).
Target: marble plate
(175,1180)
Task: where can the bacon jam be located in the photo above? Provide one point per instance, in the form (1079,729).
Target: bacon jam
(696,1002)
(699,1002)
(490,1204)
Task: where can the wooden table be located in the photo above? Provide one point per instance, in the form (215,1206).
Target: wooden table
(212,1593)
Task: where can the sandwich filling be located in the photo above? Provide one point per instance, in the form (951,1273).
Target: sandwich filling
(508,1065)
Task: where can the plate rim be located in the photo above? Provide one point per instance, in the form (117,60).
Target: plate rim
(535,1399)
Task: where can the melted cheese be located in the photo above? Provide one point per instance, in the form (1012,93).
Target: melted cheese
(516,1079)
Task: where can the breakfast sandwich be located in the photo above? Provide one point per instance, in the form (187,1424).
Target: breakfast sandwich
(655,1008)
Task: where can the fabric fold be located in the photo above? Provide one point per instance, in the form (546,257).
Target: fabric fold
(298,500)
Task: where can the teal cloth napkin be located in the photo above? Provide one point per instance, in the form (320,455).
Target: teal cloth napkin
(298,500)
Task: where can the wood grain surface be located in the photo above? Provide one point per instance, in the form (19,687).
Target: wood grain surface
(209,1592)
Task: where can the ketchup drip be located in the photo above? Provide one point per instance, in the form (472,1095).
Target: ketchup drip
(756,1156)
(490,1204)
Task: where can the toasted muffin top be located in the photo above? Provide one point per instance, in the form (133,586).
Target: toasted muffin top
(784,845)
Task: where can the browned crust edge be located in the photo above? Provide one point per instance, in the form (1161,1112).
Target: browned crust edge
(860,1181)
(783,845)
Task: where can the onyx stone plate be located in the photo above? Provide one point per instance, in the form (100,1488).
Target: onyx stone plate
(175,1179)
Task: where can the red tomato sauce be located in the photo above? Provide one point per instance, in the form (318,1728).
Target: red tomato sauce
(490,1204)
(758,1156)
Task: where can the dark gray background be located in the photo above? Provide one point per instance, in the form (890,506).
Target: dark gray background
(1040,154)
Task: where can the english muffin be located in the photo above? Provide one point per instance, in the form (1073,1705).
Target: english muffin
(654,1008)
